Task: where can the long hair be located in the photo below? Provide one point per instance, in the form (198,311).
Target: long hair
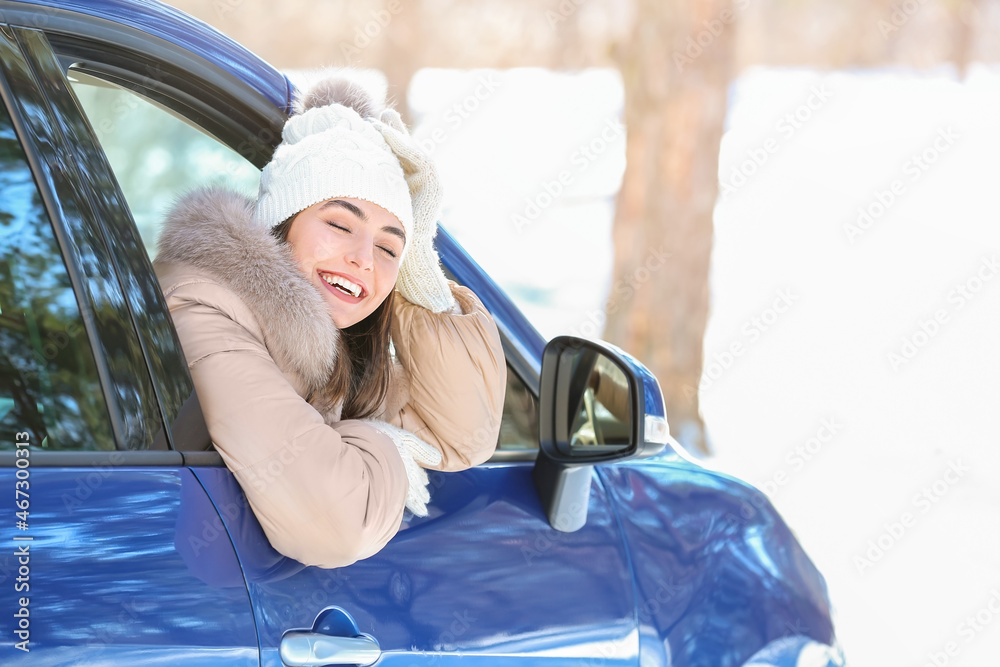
(364,364)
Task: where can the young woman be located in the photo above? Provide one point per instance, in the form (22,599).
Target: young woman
(285,307)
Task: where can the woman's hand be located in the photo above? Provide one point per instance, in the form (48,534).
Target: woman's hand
(416,454)
(421,279)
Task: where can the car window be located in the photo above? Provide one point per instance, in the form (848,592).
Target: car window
(48,379)
(155,153)
(519,423)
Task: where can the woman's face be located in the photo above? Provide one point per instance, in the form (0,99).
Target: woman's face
(349,249)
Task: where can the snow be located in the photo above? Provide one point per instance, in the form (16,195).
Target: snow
(851,357)
(892,340)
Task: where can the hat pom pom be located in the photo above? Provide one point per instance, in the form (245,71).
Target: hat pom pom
(338,90)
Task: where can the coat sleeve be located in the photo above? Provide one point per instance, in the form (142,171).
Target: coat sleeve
(324,495)
(456,374)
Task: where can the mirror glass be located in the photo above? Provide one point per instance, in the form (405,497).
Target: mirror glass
(599,401)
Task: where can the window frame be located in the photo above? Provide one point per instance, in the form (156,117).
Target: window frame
(244,128)
(100,298)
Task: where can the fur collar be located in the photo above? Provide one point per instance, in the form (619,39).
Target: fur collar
(213,230)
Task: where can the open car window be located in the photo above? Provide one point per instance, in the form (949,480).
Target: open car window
(156,154)
(519,424)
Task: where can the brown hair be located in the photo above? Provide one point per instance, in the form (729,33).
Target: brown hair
(361,377)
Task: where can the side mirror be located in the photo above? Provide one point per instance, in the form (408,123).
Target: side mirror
(597,404)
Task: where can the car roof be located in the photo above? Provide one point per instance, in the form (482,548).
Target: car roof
(151,17)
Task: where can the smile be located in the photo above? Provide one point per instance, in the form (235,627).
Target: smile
(344,285)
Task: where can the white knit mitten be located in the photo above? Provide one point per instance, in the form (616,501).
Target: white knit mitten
(421,279)
(414,452)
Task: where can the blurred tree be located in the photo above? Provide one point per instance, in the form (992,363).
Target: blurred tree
(676,64)
(404,51)
(840,34)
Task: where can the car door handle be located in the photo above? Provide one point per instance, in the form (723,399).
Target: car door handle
(311,649)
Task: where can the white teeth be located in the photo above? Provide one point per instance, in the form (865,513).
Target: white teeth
(339,281)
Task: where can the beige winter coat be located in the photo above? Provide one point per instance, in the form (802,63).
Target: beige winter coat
(260,346)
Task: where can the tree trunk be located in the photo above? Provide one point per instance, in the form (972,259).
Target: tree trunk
(965,17)
(676,67)
(404,51)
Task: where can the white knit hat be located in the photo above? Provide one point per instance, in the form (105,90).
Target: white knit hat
(333,149)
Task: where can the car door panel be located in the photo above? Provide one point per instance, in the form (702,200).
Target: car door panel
(114,565)
(482,579)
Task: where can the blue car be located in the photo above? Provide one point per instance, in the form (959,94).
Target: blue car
(588,539)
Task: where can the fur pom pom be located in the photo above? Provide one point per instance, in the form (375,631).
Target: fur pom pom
(339,90)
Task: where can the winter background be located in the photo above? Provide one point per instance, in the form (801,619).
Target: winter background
(851,359)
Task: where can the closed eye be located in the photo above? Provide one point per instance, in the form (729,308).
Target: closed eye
(387,250)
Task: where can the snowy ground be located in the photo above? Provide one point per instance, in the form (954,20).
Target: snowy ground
(868,409)
(853,352)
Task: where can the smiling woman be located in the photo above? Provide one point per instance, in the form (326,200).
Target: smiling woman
(286,307)
(350,249)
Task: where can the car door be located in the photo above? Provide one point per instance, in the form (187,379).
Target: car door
(483,578)
(108,557)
